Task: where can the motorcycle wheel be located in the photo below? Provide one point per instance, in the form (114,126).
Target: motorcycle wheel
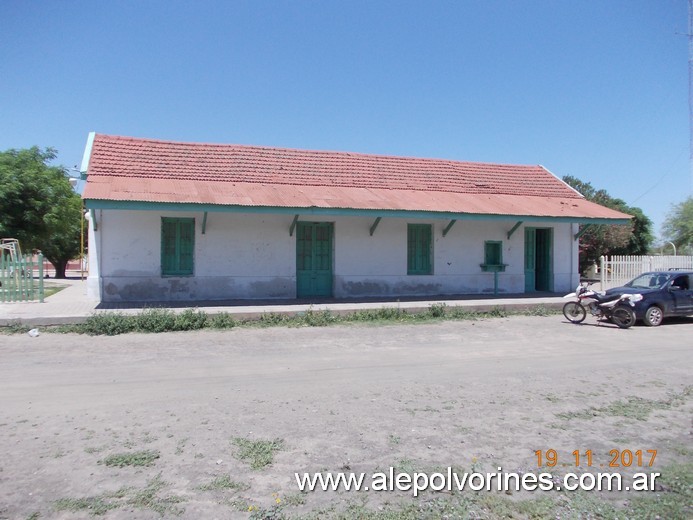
(574,312)
(623,317)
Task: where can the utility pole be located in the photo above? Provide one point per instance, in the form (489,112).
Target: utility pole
(690,84)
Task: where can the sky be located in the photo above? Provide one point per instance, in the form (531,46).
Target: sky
(593,89)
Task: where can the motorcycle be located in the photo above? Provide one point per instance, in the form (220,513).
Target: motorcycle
(617,308)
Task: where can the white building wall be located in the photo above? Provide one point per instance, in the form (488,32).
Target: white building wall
(252,256)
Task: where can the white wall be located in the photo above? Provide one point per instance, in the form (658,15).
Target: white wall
(252,256)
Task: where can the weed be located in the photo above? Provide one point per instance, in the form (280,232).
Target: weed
(155,320)
(109,324)
(540,310)
(318,318)
(190,319)
(460,313)
(148,498)
(294,499)
(498,312)
(223,320)
(93,505)
(437,310)
(633,408)
(224,482)
(16,327)
(394,439)
(272,513)
(273,318)
(258,453)
(137,458)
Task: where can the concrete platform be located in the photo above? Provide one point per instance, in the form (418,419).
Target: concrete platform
(71,305)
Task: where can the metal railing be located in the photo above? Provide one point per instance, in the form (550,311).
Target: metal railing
(21,278)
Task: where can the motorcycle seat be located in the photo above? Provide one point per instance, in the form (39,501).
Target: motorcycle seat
(604,298)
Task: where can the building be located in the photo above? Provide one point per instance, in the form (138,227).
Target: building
(192,221)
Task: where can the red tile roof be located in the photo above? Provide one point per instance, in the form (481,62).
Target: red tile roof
(148,170)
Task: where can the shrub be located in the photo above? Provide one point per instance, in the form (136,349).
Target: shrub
(190,319)
(437,310)
(155,320)
(319,318)
(223,320)
(109,324)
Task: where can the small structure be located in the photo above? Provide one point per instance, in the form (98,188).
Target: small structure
(21,279)
(193,221)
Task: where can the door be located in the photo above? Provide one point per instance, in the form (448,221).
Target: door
(530,260)
(314,259)
(538,259)
(683,294)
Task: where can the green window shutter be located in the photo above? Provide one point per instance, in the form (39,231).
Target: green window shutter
(419,249)
(493,253)
(177,246)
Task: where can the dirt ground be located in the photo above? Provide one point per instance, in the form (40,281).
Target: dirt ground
(469,394)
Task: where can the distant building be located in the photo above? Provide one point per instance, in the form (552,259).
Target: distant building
(193,221)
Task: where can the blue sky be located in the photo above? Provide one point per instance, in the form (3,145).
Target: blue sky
(593,89)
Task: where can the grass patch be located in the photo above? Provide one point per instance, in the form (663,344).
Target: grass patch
(16,327)
(137,458)
(148,498)
(144,498)
(50,290)
(258,453)
(96,506)
(223,482)
(632,408)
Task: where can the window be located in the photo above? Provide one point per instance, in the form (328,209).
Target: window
(177,246)
(419,249)
(493,253)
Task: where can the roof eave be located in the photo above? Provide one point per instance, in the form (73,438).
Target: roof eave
(354,212)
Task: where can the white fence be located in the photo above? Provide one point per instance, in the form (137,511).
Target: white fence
(617,270)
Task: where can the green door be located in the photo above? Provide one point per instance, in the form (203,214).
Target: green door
(530,260)
(314,259)
(538,259)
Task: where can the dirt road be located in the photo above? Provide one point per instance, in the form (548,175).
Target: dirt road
(477,394)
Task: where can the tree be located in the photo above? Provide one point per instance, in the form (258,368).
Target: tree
(611,239)
(678,226)
(38,205)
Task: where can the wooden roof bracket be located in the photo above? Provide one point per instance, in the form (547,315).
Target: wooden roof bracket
(585,227)
(449,226)
(293,225)
(204,223)
(375,225)
(514,228)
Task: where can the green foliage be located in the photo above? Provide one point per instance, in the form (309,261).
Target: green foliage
(108,324)
(223,320)
(318,318)
(678,226)
(258,453)
(136,458)
(96,506)
(39,206)
(224,482)
(611,239)
(190,319)
(381,314)
(437,310)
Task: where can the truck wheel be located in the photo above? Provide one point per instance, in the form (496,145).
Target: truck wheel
(653,316)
